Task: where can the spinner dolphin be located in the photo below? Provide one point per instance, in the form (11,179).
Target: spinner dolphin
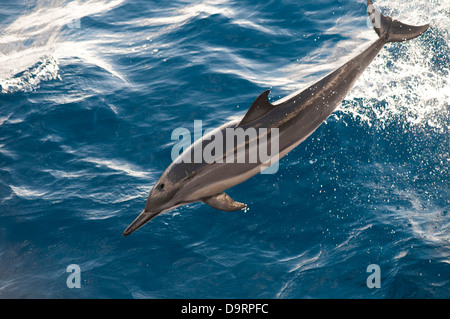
(295,117)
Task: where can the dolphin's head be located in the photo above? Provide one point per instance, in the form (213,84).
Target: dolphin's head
(184,181)
(161,199)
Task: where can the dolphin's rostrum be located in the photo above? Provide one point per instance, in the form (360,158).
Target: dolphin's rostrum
(296,117)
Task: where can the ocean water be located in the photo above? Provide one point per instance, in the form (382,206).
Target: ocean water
(92,90)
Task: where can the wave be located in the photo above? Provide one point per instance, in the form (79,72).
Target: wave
(32,46)
(27,193)
(171,18)
(119,166)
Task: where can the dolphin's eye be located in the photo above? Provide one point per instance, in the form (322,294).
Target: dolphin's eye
(161,186)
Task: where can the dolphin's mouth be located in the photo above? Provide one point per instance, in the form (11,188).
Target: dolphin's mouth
(140,221)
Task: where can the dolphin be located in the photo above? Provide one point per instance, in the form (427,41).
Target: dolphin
(295,117)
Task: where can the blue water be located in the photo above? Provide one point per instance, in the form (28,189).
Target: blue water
(91,92)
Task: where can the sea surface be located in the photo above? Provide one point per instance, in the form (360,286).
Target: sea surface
(91,92)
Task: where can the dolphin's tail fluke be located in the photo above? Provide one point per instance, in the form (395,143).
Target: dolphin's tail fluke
(393,30)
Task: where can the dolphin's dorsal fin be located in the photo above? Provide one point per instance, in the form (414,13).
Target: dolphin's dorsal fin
(259,107)
(223,202)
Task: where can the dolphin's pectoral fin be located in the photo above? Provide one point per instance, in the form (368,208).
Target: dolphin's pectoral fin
(223,202)
(259,107)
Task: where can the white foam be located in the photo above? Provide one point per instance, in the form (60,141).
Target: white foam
(428,223)
(118,165)
(32,46)
(45,69)
(413,89)
(27,193)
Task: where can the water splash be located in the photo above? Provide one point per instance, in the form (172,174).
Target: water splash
(45,69)
(32,46)
(408,82)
